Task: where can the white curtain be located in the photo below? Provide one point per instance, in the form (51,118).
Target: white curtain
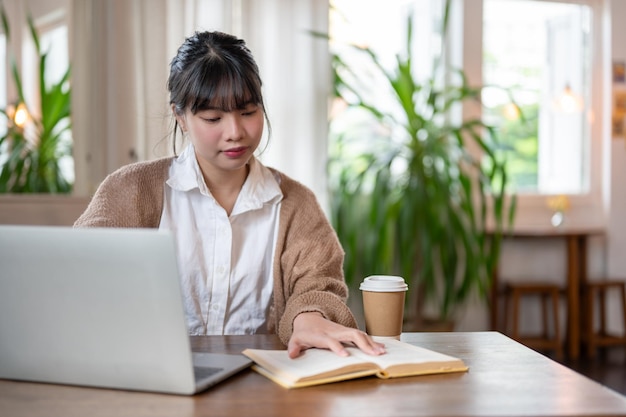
(296,72)
(121,52)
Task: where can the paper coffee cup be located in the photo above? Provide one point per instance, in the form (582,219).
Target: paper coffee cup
(383,304)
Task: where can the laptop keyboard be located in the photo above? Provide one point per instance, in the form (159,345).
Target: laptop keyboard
(201,372)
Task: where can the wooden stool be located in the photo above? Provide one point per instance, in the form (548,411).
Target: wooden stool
(547,292)
(598,290)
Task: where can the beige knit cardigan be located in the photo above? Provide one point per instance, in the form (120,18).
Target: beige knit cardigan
(308,274)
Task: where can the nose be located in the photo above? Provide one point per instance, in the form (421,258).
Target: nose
(235,128)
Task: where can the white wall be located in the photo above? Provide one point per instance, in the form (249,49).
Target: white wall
(616,259)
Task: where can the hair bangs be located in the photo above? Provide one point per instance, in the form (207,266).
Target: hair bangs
(224,87)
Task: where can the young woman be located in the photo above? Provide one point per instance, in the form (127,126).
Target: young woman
(256,253)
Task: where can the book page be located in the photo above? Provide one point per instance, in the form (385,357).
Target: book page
(404,359)
(312,362)
(401,353)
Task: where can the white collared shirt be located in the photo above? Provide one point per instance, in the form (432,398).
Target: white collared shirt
(225,262)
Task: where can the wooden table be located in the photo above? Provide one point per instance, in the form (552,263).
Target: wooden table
(505,379)
(576,264)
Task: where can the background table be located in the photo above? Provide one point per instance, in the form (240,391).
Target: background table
(505,379)
(576,275)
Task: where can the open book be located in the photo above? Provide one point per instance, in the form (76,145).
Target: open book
(321,366)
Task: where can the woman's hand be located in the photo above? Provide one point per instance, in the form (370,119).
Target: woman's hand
(313,330)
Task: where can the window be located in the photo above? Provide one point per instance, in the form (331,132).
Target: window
(381,27)
(52,31)
(539,52)
(3,77)
(4,64)
(545,55)
(554,47)
(55,40)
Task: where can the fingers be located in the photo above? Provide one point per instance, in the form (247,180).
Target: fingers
(296,345)
(337,347)
(367,345)
(313,330)
(294,349)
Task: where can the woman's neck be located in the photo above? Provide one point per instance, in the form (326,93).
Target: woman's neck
(226,186)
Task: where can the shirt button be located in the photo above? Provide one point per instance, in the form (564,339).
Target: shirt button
(215,307)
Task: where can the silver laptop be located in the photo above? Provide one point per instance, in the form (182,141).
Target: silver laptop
(98,307)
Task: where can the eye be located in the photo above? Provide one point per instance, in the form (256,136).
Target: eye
(249,110)
(211,117)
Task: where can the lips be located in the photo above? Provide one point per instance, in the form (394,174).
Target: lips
(235,152)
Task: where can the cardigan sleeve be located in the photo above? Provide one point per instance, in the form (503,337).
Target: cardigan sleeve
(310,262)
(132,196)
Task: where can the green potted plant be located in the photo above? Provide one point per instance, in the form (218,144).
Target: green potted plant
(32,146)
(410,195)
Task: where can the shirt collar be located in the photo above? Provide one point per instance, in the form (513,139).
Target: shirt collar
(261,186)
(185,174)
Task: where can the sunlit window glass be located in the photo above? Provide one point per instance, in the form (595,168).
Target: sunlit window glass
(382,27)
(538,53)
(3,86)
(55,41)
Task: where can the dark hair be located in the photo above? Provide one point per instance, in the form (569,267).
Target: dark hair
(213,70)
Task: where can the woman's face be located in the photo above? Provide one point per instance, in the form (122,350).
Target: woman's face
(224,141)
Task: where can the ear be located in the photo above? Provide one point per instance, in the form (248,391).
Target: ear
(180,119)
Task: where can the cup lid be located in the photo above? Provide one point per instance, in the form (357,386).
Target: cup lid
(383,283)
